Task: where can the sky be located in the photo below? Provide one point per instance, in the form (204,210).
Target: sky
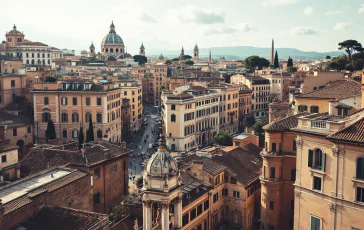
(309,25)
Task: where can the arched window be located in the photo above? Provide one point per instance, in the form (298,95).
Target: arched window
(43,62)
(27,62)
(32,61)
(121,50)
(314,109)
(360,168)
(64,133)
(99,134)
(117,50)
(74,133)
(173,118)
(106,50)
(111,50)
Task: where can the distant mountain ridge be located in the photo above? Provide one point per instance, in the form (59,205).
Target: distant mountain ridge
(241,52)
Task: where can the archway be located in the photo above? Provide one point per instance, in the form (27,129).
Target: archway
(111,58)
(20,144)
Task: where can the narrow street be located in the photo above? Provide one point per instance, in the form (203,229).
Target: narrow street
(141,141)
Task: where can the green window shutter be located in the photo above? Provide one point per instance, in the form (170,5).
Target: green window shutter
(299,108)
(310,157)
(323,162)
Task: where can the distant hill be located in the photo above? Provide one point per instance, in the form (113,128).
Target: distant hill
(241,52)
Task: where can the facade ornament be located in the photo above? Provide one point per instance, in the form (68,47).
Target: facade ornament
(338,152)
(165,205)
(136,225)
(297,194)
(332,207)
(299,142)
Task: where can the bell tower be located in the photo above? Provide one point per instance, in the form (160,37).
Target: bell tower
(142,50)
(195,53)
(92,50)
(162,186)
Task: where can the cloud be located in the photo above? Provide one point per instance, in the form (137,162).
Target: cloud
(361,9)
(201,16)
(308,11)
(147,18)
(342,26)
(266,3)
(303,31)
(333,13)
(242,27)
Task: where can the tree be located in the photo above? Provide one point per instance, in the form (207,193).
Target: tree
(51,131)
(276,62)
(81,138)
(350,46)
(90,132)
(186,57)
(140,59)
(327,57)
(292,69)
(254,62)
(289,62)
(118,210)
(168,62)
(358,64)
(258,126)
(189,62)
(175,59)
(339,63)
(250,121)
(223,138)
(50,79)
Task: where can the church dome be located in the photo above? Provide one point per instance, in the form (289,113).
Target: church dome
(112,38)
(161,57)
(14,32)
(161,163)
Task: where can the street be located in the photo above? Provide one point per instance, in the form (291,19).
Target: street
(141,141)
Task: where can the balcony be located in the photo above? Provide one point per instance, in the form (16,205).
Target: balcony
(318,124)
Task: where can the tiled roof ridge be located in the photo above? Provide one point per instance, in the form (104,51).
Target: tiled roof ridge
(358,119)
(329,88)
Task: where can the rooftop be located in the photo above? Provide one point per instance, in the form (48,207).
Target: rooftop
(344,90)
(284,124)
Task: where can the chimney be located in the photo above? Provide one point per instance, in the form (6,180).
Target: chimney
(332,107)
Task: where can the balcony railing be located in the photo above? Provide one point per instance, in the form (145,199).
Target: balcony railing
(318,124)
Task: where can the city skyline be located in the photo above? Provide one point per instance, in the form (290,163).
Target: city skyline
(163,25)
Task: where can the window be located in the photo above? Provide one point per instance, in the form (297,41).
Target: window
(216,197)
(232,180)
(64,117)
(173,107)
(97,198)
(193,214)
(113,168)
(293,174)
(75,133)
(360,194)
(74,101)
(315,223)
(274,147)
(206,205)
(74,117)
(88,117)
(272,172)
(173,118)
(64,133)
(302,108)
(29,130)
(12,83)
(317,183)
(225,192)
(199,210)
(185,219)
(236,194)
(15,132)
(97,173)
(99,117)
(88,101)
(217,180)
(46,116)
(271,205)
(46,101)
(314,109)
(316,159)
(99,134)
(99,101)
(3,158)
(64,101)
(360,168)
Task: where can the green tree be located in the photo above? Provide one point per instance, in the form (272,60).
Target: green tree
(175,59)
(90,132)
(258,126)
(358,64)
(339,63)
(51,131)
(168,62)
(250,121)
(189,62)
(186,57)
(117,212)
(327,57)
(81,138)
(50,79)
(289,62)
(276,61)
(292,69)
(350,46)
(140,59)
(223,138)
(254,62)
(139,182)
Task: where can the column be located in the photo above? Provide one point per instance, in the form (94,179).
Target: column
(178,213)
(149,216)
(144,215)
(165,216)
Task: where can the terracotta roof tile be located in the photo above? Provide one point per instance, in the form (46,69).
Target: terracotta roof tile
(209,165)
(339,91)
(284,124)
(354,132)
